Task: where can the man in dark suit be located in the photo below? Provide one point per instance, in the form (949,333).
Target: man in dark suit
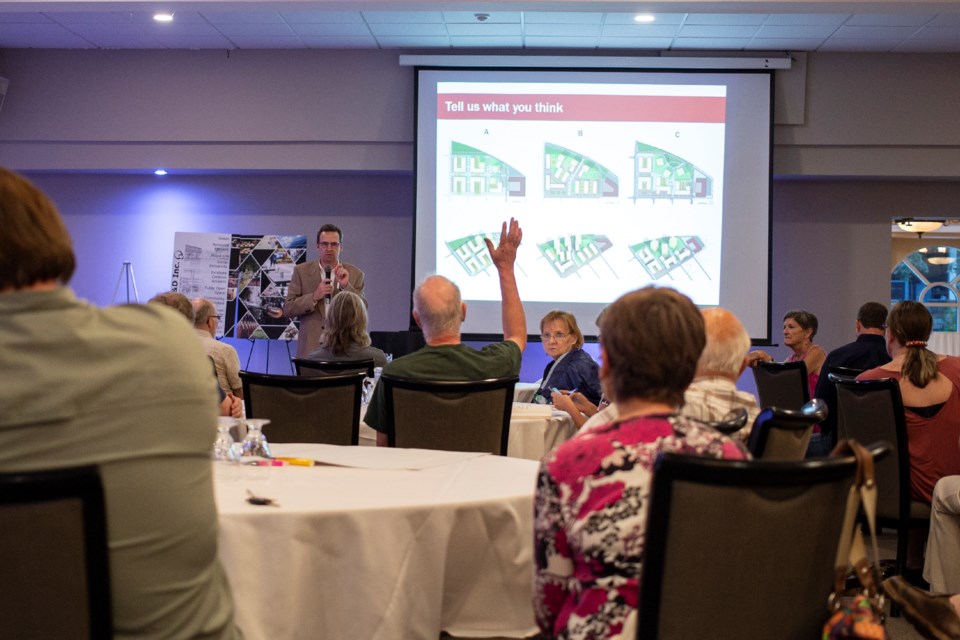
(869,350)
(315,283)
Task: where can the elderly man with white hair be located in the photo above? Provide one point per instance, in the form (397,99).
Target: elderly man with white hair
(439,310)
(713,394)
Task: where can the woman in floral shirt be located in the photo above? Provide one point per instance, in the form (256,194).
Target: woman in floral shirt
(593,491)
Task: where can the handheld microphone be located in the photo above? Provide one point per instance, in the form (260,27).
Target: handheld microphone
(326,276)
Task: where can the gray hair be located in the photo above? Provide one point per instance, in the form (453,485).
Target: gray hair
(727,342)
(176,301)
(203,310)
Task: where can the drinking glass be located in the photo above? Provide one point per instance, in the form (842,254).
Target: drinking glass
(255,443)
(223,446)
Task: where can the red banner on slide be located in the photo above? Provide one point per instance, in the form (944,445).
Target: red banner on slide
(478,106)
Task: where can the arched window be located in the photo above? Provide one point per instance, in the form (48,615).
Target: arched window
(931,276)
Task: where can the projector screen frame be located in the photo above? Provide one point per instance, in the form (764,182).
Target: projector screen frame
(761,67)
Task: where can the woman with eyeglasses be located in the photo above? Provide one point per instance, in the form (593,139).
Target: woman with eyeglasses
(571,368)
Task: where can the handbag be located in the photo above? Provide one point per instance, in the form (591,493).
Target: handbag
(859,614)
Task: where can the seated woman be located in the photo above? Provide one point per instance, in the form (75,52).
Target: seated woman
(345,336)
(572,368)
(590,518)
(931,399)
(799,328)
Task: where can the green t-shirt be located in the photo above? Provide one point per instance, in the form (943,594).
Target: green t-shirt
(447,362)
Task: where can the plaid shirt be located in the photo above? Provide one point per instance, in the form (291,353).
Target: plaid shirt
(711,398)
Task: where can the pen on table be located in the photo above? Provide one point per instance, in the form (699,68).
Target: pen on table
(298,462)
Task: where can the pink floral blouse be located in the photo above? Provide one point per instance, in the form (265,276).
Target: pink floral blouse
(590,518)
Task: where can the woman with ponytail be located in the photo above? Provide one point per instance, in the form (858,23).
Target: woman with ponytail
(930,386)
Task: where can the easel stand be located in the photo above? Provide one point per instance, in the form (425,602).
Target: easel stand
(253,343)
(126,273)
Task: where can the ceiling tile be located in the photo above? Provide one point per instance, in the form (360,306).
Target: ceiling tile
(863,45)
(784,44)
(400,42)
(704,31)
(640,30)
(927,46)
(806,19)
(341,29)
(34,30)
(717,19)
(179,17)
(634,43)
(278,30)
(493,17)
(487,41)
(195,42)
(242,17)
(393,17)
(91,30)
(945,20)
(322,17)
(65,40)
(561,42)
(809,32)
(338,42)
(563,30)
(562,17)
(485,29)
(85,17)
(889,19)
(944,34)
(874,33)
(734,44)
(661,18)
(267,42)
(180,29)
(127,42)
(406,29)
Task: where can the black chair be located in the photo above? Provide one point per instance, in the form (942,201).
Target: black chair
(732,422)
(53,554)
(324,409)
(831,425)
(448,415)
(318,368)
(742,549)
(870,410)
(782,384)
(783,434)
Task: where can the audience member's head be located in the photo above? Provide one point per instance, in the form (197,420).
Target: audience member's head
(557,322)
(727,344)
(346,323)
(651,340)
(910,325)
(806,320)
(872,315)
(438,309)
(36,245)
(204,313)
(177,301)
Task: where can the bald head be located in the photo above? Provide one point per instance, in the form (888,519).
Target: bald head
(203,310)
(438,309)
(727,344)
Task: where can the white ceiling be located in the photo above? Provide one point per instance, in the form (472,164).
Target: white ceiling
(878,26)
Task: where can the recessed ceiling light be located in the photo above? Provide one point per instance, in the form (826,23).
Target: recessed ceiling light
(644,17)
(160,172)
(163,17)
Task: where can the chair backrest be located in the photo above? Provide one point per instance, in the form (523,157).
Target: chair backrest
(53,550)
(324,409)
(732,422)
(783,434)
(711,520)
(845,372)
(871,410)
(782,384)
(318,368)
(449,415)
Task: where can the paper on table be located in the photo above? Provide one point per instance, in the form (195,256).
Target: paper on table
(529,410)
(372,457)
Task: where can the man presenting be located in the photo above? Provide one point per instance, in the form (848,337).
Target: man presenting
(439,311)
(125,388)
(224,356)
(315,283)
(868,351)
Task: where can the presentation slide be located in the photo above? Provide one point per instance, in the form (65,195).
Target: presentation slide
(619,180)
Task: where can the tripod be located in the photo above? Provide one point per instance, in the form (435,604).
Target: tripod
(126,271)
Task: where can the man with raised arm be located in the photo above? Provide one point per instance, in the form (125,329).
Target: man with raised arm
(127,389)
(315,283)
(439,311)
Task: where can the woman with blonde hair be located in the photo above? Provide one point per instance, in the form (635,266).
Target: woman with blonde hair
(571,368)
(930,387)
(345,335)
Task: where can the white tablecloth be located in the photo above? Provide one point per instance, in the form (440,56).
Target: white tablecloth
(531,437)
(379,553)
